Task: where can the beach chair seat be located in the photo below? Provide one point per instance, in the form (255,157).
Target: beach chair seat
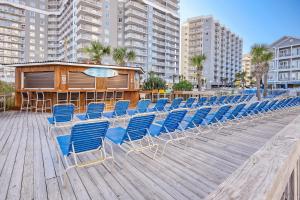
(142,107)
(94,111)
(229,99)
(212,100)
(221,100)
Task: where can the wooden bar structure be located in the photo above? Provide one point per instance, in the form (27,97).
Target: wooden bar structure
(53,77)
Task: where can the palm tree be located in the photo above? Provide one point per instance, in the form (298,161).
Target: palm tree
(121,56)
(197,61)
(97,51)
(260,59)
(268,56)
(241,76)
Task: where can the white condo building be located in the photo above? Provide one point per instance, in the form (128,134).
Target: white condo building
(34,30)
(151,29)
(285,68)
(222,48)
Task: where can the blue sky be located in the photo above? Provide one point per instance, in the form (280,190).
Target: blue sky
(256,21)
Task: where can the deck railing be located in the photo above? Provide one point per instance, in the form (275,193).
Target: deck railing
(273,172)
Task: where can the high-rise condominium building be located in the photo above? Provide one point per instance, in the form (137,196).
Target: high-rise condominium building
(59,29)
(222,48)
(285,68)
(37,30)
(247,67)
(151,29)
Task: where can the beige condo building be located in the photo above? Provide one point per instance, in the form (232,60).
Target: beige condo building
(222,48)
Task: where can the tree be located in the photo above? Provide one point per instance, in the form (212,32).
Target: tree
(183,85)
(154,82)
(260,59)
(197,61)
(96,51)
(241,77)
(122,55)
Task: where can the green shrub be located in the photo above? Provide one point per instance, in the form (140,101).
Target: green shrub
(154,83)
(183,85)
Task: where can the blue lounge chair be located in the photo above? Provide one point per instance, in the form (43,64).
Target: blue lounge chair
(189,102)
(250,96)
(229,99)
(159,106)
(137,130)
(216,118)
(142,107)
(235,99)
(232,114)
(168,130)
(221,100)
(246,111)
(212,100)
(194,122)
(84,137)
(62,115)
(94,111)
(120,110)
(243,98)
(201,101)
(175,104)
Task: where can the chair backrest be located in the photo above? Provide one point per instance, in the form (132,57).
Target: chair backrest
(261,105)
(212,100)
(221,99)
(94,110)
(220,113)
(175,103)
(243,98)
(250,108)
(202,100)
(121,107)
(249,97)
(189,102)
(173,120)
(229,99)
(160,104)
(237,109)
(63,112)
(87,136)
(142,105)
(198,117)
(138,127)
(236,98)
(271,104)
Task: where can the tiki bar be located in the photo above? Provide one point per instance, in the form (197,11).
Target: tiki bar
(51,83)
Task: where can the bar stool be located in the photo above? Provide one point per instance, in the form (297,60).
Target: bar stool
(40,98)
(25,101)
(62,97)
(119,95)
(75,99)
(89,97)
(100,96)
(109,96)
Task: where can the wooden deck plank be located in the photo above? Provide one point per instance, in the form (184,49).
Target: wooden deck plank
(29,168)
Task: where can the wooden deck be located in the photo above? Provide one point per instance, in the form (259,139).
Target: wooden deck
(28,167)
